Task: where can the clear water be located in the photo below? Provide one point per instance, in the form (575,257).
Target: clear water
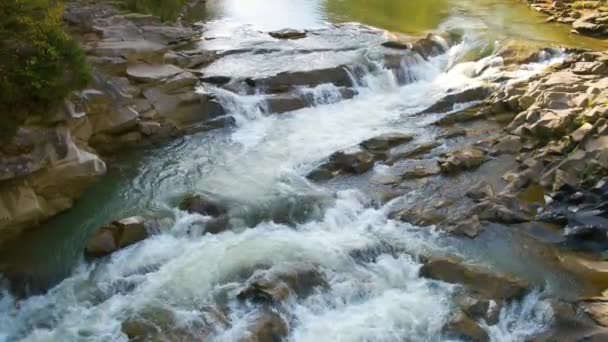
(258,167)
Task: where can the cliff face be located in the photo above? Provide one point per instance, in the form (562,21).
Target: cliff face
(143,92)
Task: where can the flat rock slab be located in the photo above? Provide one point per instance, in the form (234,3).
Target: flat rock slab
(146,73)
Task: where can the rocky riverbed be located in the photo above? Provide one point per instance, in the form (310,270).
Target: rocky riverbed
(339,182)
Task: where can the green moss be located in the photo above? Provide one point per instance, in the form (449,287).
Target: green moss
(40,64)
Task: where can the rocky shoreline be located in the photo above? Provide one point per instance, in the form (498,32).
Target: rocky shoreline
(589,18)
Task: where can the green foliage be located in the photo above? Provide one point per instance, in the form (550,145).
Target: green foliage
(166,10)
(40,64)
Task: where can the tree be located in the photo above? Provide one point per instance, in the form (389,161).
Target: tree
(40,64)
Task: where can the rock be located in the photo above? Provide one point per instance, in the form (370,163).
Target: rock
(382,143)
(448,102)
(393,44)
(495,286)
(200,204)
(594,272)
(283,103)
(149,128)
(509,144)
(469,227)
(481,191)
(430,46)
(569,326)
(462,326)
(519,52)
(421,171)
(134,51)
(185,108)
(593,24)
(411,152)
(281,82)
(146,73)
(597,309)
(288,34)
(478,307)
(267,327)
(466,159)
(269,286)
(115,236)
(356,163)
(494,210)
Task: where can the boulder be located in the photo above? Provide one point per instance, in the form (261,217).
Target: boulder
(200,204)
(184,108)
(382,143)
(519,52)
(461,326)
(134,51)
(448,102)
(467,227)
(357,162)
(268,286)
(282,82)
(116,235)
(466,159)
(491,285)
(282,103)
(267,326)
(288,34)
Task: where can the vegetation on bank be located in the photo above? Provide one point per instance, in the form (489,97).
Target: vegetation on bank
(166,10)
(40,64)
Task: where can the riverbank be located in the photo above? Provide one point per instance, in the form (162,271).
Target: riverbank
(586,17)
(143,92)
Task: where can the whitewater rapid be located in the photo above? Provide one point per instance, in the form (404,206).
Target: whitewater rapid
(261,164)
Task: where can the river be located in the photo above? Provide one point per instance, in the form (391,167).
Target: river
(281,220)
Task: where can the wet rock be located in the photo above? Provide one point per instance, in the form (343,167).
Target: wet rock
(448,102)
(421,171)
(219,80)
(594,271)
(281,82)
(134,51)
(491,285)
(467,227)
(398,45)
(480,191)
(356,163)
(466,159)
(519,52)
(597,309)
(288,34)
(497,210)
(116,235)
(462,326)
(411,152)
(184,108)
(268,326)
(594,24)
(200,204)
(569,326)
(382,143)
(430,46)
(478,307)
(269,286)
(283,103)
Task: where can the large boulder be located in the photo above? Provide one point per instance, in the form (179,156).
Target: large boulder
(184,108)
(491,285)
(117,235)
(282,82)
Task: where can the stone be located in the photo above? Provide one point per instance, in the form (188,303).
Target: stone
(150,128)
(283,103)
(397,154)
(462,326)
(386,141)
(448,102)
(267,326)
(466,159)
(288,34)
(200,204)
(421,171)
(468,227)
(146,73)
(495,286)
(115,236)
(481,191)
(281,82)
(185,108)
(519,52)
(597,309)
(269,286)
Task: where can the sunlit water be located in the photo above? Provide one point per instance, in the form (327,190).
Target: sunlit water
(258,168)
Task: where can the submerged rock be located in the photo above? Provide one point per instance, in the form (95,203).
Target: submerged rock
(382,143)
(267,326)
(356,163)
(270,287)
(461,326)
(200,204)
(283,81)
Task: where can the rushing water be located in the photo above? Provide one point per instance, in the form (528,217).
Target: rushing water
(258,168)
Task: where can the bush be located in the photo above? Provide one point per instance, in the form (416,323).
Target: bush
(40,64)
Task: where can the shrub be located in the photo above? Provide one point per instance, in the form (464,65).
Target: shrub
(40,64)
